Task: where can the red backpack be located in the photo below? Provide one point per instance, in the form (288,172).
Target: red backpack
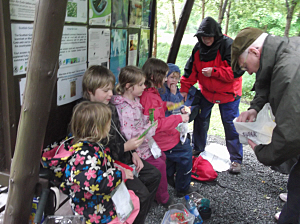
(202,170)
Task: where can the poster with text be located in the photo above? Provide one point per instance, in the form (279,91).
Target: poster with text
(69,83)
(118,49)
(73,48)
(135,13)
(99,47)
(144,47)
(119,13)
(132,48)
(22,9)
(100,12)
(21,35)
(76,11)
(146,18)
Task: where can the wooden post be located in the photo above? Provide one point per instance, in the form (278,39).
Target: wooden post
(40,83)
(183,19)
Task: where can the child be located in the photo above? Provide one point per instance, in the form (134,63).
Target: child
(179,157)
(89,176)
(134,123)
(170,92)
(98,83)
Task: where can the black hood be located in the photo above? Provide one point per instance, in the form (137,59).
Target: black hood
(209,28)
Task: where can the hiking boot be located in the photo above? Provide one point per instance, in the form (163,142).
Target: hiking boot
(191,189)
(168,203)
(235,168)
(171,181)
(283,197)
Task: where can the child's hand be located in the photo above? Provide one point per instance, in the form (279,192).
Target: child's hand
(173,88)
(133,143)
(137,162)
(185,117)
(128,174)
(184,110)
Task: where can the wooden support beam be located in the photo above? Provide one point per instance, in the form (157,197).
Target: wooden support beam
(40,82)
(183,19)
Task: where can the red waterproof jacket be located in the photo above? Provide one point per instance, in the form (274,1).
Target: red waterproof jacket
(223,86)
(166,136)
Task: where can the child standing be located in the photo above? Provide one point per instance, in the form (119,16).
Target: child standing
(179,156)
(170,92)
(89,175)
(98,83)
(134,123)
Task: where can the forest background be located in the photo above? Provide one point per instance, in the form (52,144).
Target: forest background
(277,17)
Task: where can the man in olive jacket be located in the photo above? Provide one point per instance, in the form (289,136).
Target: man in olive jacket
(275,60)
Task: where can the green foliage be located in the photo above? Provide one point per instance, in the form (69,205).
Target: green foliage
(248,82)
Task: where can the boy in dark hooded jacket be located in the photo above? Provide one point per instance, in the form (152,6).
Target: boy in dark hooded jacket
(209,65)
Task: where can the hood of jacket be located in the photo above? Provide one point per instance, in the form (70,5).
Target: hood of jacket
(209,28)
(118,100)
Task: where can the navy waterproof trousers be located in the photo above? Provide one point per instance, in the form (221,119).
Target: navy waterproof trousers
(179,161)
(228,111)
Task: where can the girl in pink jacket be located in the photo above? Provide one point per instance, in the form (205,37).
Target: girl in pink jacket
(134,123)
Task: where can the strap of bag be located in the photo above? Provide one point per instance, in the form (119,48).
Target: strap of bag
(116,129)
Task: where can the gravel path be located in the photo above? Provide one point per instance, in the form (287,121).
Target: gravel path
(250,197)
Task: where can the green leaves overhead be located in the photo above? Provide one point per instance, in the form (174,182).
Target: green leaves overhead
(269,15)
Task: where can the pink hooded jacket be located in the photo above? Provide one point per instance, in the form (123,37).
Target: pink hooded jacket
(133,122)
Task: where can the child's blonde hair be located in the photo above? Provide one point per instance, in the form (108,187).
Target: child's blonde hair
(90,121)
(96,76)
(129,74)
(155,71)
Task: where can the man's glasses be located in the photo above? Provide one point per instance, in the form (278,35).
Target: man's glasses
(243,67)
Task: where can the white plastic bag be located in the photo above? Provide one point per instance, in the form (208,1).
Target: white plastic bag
(183,128)
(260,131)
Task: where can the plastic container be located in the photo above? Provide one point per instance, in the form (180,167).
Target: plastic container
(192,207)
(178,214)
(72,219)
(196,197)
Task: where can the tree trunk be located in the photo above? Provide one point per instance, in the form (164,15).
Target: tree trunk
(227,17)
(183,19)
(222,11)
(289,17)
(155,35)
(40,83)
(173,13)
(203,9)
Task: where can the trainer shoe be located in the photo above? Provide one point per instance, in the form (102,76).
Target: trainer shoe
(276,216)
(235,168)
(191,189)
(283,197)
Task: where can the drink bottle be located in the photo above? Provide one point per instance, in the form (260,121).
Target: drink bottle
(191,206)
